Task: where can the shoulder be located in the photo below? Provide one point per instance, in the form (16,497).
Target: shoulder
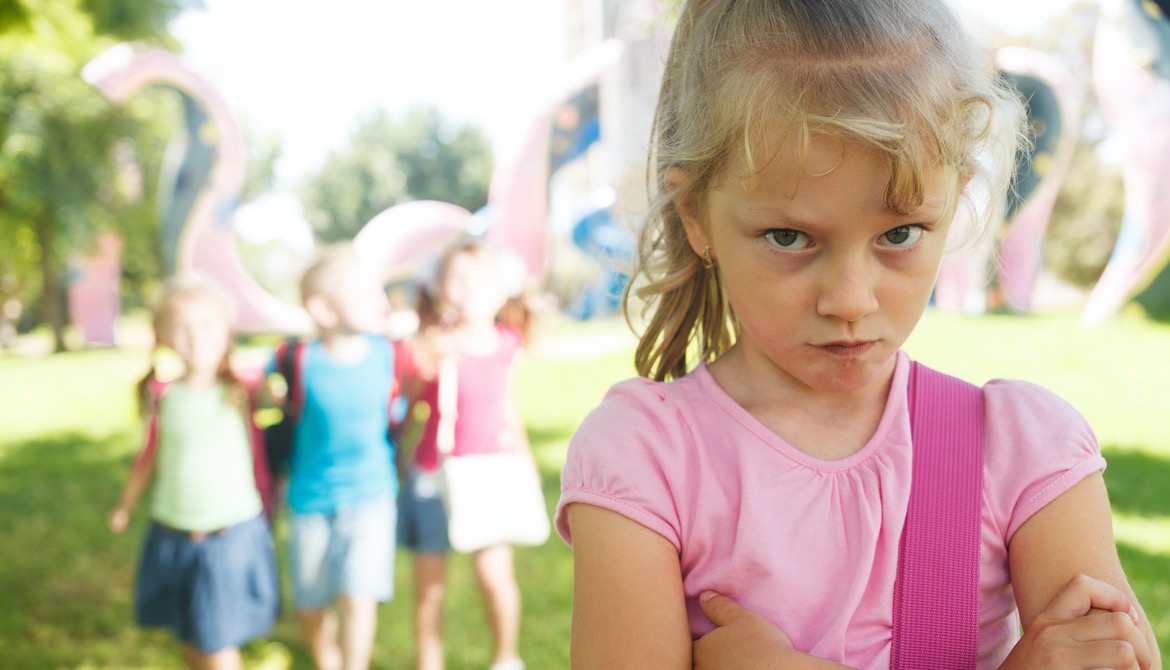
(511,340)
(1025,408)
(633,454)
(647,402)
(1037,446)
(638,424)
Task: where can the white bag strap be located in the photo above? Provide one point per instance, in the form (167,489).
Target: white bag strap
(447,401)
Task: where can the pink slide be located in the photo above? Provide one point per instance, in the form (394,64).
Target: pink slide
(94,300)
(1020,257)
(518,194)
(1136,107)
(401,236)
(1054,109)
(206,241)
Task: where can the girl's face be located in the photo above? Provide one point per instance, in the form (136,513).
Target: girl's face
(200,334)
(826,281)
(470,287)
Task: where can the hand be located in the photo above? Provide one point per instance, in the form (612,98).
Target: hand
(742,639)
(119,520)
(1088,624)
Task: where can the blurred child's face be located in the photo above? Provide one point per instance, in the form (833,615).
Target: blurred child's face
(200,333)
(357,302)
(471,287)
(826,281)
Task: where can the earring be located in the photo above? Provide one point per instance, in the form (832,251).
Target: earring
(708,263)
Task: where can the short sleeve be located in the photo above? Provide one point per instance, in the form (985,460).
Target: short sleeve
(1037,447)
(627,456)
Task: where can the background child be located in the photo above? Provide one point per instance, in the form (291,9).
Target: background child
(341,482)
(208,567)
(457,319)
(810,157)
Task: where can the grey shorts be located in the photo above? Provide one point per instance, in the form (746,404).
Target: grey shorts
(349,552)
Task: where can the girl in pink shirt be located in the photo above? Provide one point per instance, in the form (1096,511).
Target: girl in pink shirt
(741,504)
(458,321)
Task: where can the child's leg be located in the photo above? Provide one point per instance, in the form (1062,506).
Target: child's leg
(430,579)
(320,628)
(359,618)
(224,659)
(493,569)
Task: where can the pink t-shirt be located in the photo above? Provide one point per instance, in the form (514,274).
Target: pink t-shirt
(481,407)
(812,545)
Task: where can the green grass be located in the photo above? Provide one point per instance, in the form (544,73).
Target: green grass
(68,432)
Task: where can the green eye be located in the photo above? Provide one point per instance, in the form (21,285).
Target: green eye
(902,236)
(786,238)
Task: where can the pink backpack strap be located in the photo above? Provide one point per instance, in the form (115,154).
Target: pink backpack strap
(936,591)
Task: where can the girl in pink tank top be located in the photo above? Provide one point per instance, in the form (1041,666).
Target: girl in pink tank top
(459,319)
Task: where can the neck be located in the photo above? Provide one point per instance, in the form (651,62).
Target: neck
(476,338)
(344,347)
(200,379)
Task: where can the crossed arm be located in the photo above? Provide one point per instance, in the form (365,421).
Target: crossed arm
(1077,607)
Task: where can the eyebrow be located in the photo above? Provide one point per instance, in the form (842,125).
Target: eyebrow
(930,211)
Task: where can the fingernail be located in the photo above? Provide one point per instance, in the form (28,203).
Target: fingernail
(706,595)
(1133,614)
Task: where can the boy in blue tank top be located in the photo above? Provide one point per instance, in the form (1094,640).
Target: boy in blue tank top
(342,484)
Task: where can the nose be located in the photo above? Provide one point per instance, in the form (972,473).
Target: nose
(847,289)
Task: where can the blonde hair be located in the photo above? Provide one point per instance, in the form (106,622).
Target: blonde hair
(899,76)
(178,292)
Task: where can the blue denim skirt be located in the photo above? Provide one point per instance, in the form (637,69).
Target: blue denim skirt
(214,592)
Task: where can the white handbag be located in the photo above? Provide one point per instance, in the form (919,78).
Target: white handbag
(490,499)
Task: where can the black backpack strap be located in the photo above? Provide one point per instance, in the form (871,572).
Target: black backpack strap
(288,363)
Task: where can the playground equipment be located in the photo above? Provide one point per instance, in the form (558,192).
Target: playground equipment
(585,141)
(1053,107)
(202,187)
(1131,73)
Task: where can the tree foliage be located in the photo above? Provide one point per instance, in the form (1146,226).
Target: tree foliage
(389,162)
(65,151)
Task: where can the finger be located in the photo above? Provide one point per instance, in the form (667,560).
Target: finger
(1112,639)
(1084,593)
(1113,654)
(720,610)
(1119,627)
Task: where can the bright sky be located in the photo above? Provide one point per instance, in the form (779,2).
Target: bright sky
(308,70)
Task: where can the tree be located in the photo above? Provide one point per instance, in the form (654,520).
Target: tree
(59,139)
(389,162)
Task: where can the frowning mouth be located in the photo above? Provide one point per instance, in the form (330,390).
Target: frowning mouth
(847,349)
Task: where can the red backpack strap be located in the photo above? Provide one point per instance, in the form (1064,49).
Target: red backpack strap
(155,389)
(261,472)
(936,591)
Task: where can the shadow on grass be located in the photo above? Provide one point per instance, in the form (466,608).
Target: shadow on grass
(1137,481)
(67,580)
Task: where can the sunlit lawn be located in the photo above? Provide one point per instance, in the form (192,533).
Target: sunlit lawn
(68,432)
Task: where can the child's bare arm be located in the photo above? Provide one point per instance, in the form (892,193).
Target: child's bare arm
(628,605)
(140,475)
(1075,601)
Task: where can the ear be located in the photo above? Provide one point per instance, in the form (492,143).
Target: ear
(687,206)
(320,311)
